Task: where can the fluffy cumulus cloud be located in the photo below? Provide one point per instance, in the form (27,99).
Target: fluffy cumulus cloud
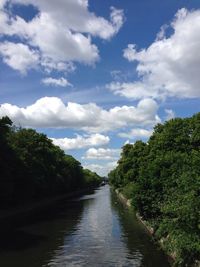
(61,31)
(56,82)
(19,56)
(101,169)
(81,141)
(102,154)
(136,133)
(169,67)
(52,112)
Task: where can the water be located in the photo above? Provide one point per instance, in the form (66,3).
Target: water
(94,230)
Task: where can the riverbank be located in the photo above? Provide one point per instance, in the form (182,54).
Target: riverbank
(150,230)
(15,216)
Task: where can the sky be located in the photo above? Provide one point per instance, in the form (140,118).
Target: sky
(94,75)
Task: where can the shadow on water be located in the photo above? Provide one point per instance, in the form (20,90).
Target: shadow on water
(33,243)
(20,240)
(138,242)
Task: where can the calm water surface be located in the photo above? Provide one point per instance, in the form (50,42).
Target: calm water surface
(94,230)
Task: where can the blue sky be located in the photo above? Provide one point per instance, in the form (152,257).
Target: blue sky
(94,75)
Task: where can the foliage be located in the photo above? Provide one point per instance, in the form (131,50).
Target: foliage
(128,190)
(32,167)
(91,178)
(165,173)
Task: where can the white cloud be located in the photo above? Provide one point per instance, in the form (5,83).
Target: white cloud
(56,82)
(49,65)
(128,142)
(19,56)
(52,112)
(136,133)
(134,90)
(81,141)
(79,18)
(169,67)
(161,33)
(170,114)
(130,52)
(61,30)
(102,154)
(102,169)
(117,19)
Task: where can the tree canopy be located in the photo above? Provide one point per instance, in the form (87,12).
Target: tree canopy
(162,177)
(32,167)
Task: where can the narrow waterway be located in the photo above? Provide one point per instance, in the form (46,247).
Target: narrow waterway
(94,230)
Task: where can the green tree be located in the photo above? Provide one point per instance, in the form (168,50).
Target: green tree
(163,179)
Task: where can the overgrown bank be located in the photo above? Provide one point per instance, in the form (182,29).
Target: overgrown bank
(162,179)
(33,168)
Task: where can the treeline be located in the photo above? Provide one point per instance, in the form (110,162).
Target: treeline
(162,177)
(32,167)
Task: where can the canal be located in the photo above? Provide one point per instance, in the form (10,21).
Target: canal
(93,230)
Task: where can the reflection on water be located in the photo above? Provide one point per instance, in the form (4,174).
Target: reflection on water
(94,230)
(138,242)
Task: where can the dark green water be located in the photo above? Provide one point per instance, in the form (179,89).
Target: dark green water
(94,230)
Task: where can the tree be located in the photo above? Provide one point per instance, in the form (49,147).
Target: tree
(164,177)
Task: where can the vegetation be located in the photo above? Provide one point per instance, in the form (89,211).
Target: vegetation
(32,167)
(91,178)
(163,177)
